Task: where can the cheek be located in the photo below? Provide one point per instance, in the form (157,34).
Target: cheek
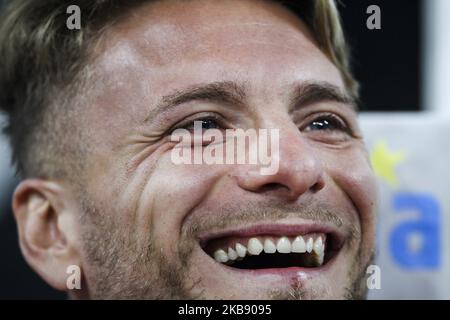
(353,174)
(153,198)
(170,195)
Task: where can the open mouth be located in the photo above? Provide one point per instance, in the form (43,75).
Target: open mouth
(274,251)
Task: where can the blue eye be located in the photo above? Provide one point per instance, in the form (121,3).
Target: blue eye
(208,124)
(205,123)
(197,128)
(327,123)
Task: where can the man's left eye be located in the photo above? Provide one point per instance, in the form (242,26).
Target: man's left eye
(327,123)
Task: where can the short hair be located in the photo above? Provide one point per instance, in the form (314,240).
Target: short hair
(43,63)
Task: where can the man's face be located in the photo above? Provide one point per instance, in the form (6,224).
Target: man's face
(154,228)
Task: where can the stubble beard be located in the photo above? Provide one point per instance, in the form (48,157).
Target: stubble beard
(120,267)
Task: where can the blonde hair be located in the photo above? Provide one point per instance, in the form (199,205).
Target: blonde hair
(330,36)
(323,19)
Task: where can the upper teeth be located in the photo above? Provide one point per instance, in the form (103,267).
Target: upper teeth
(232,255)
(284,245)
(241,250)
(255,246)
(221,256)
(269,246)
(298,245)
(309,245)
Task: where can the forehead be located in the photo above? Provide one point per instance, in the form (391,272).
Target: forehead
(169,45)
(190,28)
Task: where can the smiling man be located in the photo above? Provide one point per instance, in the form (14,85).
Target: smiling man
(92,112)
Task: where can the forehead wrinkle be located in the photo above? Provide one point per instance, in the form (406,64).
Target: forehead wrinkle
(161,51)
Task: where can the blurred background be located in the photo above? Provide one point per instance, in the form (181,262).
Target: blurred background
(404,69)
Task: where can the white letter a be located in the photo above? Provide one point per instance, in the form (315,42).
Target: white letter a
(74,20)
(374,21)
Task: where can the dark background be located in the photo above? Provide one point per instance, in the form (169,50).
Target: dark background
(387,62)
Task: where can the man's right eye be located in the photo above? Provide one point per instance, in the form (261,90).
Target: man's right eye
(196,128)
(204,123)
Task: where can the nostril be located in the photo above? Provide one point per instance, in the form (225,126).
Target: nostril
(279,190)
(272,187)
(317,187)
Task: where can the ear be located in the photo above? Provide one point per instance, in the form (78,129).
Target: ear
(47,222)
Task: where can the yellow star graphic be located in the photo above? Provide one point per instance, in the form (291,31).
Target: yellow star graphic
(384,162)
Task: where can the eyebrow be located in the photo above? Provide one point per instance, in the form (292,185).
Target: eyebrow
(234,94)
(308,93)
(226,92)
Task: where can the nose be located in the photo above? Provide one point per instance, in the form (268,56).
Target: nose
(299,170)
